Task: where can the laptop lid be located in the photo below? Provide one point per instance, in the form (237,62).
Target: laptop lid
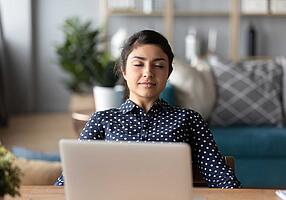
(126,171)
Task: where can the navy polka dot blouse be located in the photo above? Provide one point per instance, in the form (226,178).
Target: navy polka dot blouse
(162,123)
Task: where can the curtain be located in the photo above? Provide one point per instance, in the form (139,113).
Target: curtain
(3,106)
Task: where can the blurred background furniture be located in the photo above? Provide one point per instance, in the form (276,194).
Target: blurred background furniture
(259,154)
(79,119)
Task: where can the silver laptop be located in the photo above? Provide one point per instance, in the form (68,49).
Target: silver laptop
(126,171)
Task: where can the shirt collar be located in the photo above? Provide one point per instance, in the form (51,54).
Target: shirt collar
(161,103)
(129,105)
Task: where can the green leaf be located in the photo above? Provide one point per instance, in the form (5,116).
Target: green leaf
(9,174)
(80,56)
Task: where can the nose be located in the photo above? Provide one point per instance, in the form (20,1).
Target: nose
(148,71)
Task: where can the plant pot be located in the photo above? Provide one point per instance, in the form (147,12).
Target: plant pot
(107,97)
(82,101)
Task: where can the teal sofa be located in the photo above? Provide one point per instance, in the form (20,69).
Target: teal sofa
(260,154)
(249,92)
(259,151)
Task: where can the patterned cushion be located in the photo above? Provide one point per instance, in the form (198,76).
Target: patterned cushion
(249,92)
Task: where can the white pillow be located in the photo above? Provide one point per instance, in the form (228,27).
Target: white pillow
(194,87)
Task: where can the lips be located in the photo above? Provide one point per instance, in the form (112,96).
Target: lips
(147,84)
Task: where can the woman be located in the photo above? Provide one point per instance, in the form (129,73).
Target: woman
(145,64)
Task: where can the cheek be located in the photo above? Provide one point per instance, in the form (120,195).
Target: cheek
(163,75)
(126,73)
(130,74)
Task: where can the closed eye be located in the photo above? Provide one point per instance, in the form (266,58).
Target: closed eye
(159,65)
(138,65)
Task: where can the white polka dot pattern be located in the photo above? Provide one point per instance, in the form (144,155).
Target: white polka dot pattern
(162,123)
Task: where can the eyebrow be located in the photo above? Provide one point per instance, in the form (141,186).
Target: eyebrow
(143,58)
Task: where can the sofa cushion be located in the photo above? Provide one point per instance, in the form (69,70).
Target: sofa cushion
(37,172)
(249,141)
(249,92)
(194,87)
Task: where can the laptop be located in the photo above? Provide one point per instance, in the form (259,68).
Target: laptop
(126,171)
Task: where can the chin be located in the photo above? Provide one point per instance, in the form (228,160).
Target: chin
(150,96)
(147,93)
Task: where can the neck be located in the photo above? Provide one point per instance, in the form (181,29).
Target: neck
(144,103)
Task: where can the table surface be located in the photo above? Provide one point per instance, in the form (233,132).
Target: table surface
(57,193)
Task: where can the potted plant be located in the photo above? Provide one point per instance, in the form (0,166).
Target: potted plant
(9,174)
(83,57)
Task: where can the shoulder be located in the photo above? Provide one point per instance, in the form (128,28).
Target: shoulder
(184,111)
(99,115)
(186,114)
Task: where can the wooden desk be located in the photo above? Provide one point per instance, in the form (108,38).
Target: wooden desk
(57,193)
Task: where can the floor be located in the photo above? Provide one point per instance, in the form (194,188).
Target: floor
(39,132)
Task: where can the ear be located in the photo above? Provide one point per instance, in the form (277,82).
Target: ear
(123,72)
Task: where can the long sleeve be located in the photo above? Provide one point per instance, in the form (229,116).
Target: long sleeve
(208,158)
(93,130)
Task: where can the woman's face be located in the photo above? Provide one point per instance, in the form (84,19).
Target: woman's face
(146,72)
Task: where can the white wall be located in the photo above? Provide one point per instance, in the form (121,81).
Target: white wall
(16,20)
(50,15)
(32,28)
